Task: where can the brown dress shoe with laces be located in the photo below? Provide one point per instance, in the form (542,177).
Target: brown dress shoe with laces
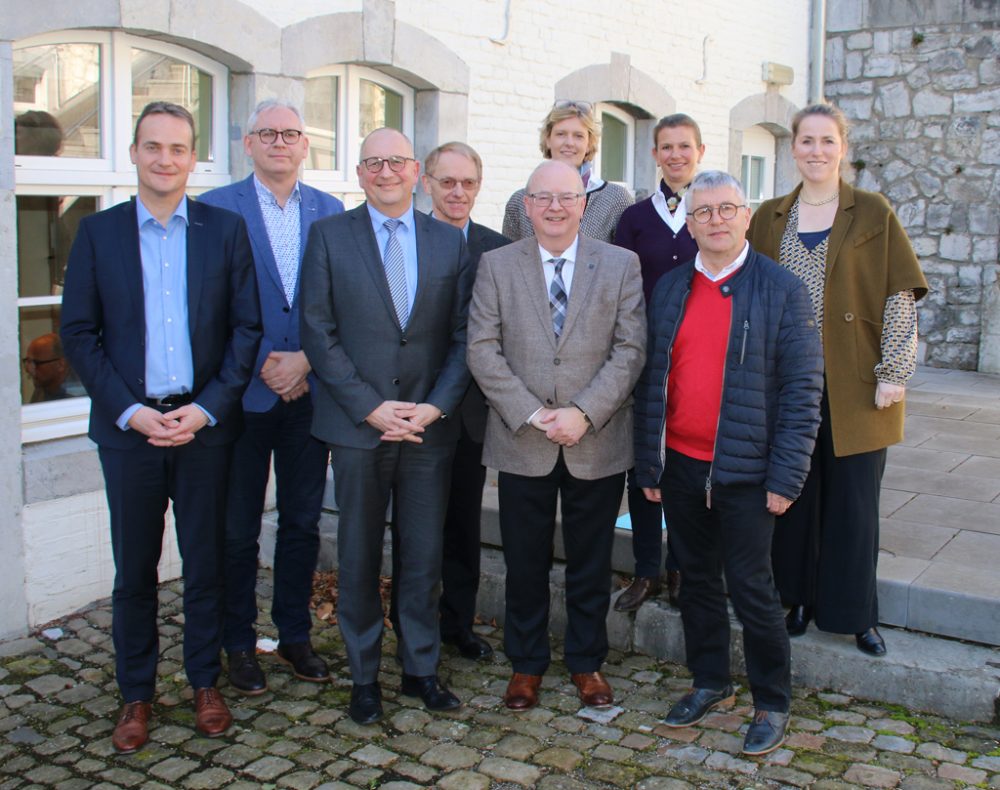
(132,730)
(593,688)
(641,588)
(211,715)
(522,691)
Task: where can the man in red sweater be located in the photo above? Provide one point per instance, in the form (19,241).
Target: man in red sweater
(726,417)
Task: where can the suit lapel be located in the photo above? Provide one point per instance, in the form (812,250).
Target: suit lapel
(257,230)
(425,257)
(371,258)
(197,243)
(530,265)
(131,258)
(841,224)
(584,270)
(475,241)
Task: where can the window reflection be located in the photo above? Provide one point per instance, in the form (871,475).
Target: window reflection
(46,225)
(379,107)
(157,77)
(322,99)
(57,100)
(46,375)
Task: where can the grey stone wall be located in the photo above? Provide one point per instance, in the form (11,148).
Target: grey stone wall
(921,84)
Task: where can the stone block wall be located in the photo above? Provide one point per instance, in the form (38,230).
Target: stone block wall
(922,89)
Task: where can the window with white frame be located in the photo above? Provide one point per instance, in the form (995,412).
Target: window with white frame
(342,105)
(77,95)
(615,158)
(757,165)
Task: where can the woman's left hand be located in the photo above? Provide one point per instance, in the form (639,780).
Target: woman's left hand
(887,394)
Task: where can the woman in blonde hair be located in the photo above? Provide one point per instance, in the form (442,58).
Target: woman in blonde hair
(570,134)
(864,280)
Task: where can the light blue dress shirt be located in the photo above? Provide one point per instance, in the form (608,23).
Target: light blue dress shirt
(407,235)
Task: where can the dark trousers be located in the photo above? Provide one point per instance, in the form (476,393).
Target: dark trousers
(140,483)
(734,537)
(300,469)
(417,477)
(461,550)
(527,527)
(825,549)
(647,532)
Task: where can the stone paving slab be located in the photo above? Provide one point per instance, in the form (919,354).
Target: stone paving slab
(297,736)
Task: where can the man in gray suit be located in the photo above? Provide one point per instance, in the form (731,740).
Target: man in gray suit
(557,337)
(384,298)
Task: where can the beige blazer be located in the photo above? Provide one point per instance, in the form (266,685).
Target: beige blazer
(520,367)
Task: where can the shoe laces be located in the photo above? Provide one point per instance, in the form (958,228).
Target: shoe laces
(210,696)
(131,711)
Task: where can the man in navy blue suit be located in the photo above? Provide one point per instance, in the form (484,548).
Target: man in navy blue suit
(160,319)
(279,211)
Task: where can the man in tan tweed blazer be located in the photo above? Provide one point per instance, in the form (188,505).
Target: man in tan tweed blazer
(556,341)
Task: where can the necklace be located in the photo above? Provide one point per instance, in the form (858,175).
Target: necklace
(823,202)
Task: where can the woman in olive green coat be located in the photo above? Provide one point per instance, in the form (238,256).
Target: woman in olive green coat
(851,251)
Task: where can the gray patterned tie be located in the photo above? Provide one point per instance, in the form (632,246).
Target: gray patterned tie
(558,297)
(395,272)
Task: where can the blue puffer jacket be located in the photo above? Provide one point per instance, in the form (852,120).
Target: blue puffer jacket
(772,383)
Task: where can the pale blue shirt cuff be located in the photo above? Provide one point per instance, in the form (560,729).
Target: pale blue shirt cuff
(122,422)
(211,420)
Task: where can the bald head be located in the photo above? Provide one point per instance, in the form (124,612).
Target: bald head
(554,167)
(554,203)
(385,136)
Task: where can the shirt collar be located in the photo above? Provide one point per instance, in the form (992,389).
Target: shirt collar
(378,218)
(732,267)
(569,255)
(465,227)
(263,193)
(143,216)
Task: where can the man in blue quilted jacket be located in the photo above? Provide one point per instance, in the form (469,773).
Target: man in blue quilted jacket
(726,416)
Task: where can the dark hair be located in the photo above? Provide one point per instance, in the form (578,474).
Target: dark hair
(165,108)
(827,110)
(37,133)
(672,122)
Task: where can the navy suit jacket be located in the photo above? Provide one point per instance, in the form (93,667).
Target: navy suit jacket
(280,319)
(353,339)
(104,326)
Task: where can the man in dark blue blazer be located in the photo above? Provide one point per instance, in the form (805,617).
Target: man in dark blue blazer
(277,406)
(160,319)
(385,293)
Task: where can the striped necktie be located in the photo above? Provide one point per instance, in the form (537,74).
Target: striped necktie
(395,272)
(558,297)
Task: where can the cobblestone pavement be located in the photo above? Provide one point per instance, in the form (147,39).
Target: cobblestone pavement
(58,699)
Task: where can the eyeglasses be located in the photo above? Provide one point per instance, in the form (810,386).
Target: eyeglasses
(703,214)
(28,362)
(396,163)
(268,136)
(447,183)
(582,106)
(545,199)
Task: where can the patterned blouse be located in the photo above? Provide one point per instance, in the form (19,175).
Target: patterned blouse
(600,218)
(899,317)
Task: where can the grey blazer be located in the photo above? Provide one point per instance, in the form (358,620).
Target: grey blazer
(515,359)
(354,342)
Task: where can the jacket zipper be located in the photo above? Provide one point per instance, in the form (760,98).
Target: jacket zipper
(718,420)
(743,347)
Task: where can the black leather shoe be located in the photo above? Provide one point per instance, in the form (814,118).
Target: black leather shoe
(797,620)
(870,642)
(427,687)
(695,706)
(765,733)
(674,588)
(245,674)
(637,593)
(304,662)
(366,703)
(468,644)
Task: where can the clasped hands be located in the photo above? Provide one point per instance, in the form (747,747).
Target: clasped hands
(168,429)
(401,421)
(565,426)
(284,372)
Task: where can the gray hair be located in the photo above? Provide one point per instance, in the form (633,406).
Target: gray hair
(270,104)
(714,179)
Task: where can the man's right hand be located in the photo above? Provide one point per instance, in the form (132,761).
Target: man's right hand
(653,495)
(152,424)
(394,428)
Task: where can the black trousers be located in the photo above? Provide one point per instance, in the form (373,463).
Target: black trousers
(140,484)
(461,548)
(734,537)
(825,549)
(300,462)
(527,526)
(647,532)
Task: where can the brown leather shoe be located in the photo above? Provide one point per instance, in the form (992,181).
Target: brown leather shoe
(641,588)
(522,691)
(593,688)
(211,715)
(674,588)
(132,730)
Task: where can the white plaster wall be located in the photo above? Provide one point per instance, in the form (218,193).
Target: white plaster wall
(67,546)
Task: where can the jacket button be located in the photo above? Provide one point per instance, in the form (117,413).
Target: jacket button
(548,401)
(848,317)
(724,289)
(555,361)
(402,341)
(286,309)
(396,382)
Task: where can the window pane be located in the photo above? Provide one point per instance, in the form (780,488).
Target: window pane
(379,107)
(45,373)
(157,77)
(322,99)
(57,100)
(614,139)
(46,225)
